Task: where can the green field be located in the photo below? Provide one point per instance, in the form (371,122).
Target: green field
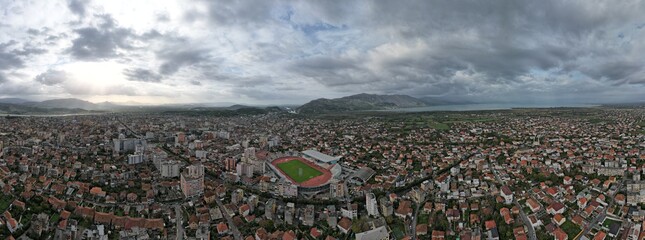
(291,168)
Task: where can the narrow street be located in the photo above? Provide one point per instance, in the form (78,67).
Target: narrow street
(602,215)
(413,225)
(236,233)
(525,219)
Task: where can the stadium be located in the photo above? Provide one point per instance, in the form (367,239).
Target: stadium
(309,176)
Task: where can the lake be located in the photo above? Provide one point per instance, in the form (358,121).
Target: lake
(486,106)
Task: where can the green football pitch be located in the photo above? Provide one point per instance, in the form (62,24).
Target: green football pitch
(292,169)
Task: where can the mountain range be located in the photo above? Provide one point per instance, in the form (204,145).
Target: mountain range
(358,102)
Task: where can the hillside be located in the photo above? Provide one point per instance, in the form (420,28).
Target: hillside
(360,102)
(68,103)
(13,100)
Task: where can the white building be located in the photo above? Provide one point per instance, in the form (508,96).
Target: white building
(350,211)
(379,233)
(287,189)
(201,154)
(371,205)
(135,158)
(244,170)
(337,188)
(274,142)
(192,181)
(169,169)
(124,145)
(223,134)
(507,194)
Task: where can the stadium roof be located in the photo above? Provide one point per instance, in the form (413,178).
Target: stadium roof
(377,233)
(364,174)
(320,156)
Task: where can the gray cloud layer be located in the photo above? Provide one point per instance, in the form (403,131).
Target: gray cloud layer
(51,77)
(266,50)
(141,75)
(102,42)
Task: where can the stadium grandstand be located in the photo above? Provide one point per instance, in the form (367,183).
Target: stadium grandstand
(319,157)
(362,175)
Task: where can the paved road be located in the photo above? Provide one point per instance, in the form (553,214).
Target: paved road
(602,215)
(129,129)
(413,225)
(525,218)
(236,232)
(180,225)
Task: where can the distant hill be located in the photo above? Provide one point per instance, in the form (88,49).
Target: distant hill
(20,109)
(67,103)
(232,111)
(360,102)
(13,100)
(434,101)
(237,107)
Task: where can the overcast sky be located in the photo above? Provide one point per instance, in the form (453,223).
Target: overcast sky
(273,52)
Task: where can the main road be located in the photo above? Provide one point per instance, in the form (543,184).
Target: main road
(413,225)
(180,224)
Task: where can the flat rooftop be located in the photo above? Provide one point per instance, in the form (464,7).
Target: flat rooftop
(320,156)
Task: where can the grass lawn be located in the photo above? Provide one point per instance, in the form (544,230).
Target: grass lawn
(571,229)
(416,123)
(439,126)
(459,120)
(54,218)
(292,169)
(423,218)
(608,222)
(398,230)
(5,201)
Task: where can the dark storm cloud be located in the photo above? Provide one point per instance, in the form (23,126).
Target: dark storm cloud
(141,75)
(473,45)
(212,73)
(470,49)
(78,7)
(103,42)
(9,59)
(264,94)
(51,77)
(614,70)
(29,50)
(332,71)
(152,34)
(162,17)
(33,31)
(94,43)
(173,60)
(10,88)
(240,12)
